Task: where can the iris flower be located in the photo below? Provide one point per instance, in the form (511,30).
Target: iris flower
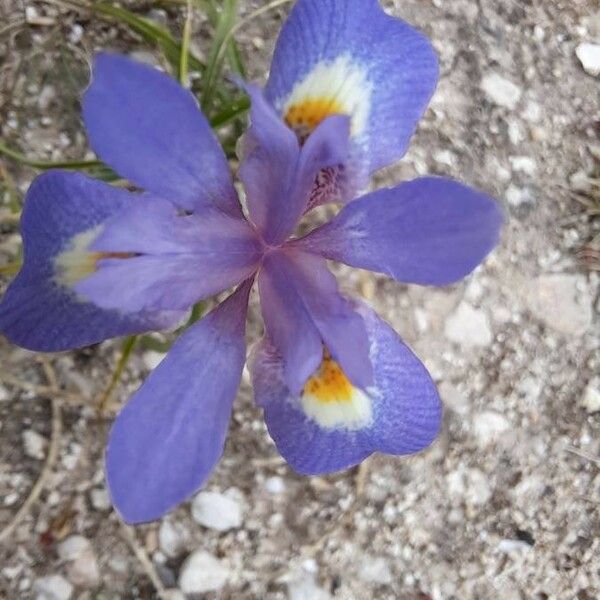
(347,86)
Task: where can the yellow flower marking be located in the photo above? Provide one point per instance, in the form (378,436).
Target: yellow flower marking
(330,399)
(329,383)
(77,262)
(306,115)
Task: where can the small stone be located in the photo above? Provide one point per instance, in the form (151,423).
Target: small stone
(143,56)
(172,538)
(301,585)
(216,511)
(488,426)
(517,196)
(118,564)
(72,547)
(76,33)
(524,164)
(515,132)
(201,572)
(563,302)
(470,484)
(12,572)
(591,396)
(34,444)
(82,567)
(84,571)
(589,56)
(512,546)
(478,488)
(469,327)
(3,394)
(100,499)
(375,570)
(453,398)
(52,587)
(275,485)
(11,498)
(152,359)
(501,91)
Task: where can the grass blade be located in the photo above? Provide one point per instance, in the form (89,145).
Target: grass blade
(185,46)
(214,64)
(48,164)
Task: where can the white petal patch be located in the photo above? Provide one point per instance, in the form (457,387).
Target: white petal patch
(341,83)
(76,261)
(330,399)
(354,413)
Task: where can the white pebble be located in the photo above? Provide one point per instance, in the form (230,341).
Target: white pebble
(302,586)
(52,587)
(524,164)
(72,547)
(172,538)
(591,396)
(216,511)
(82,567)
(469,327)
(488,426)
(563,302)
(375,569)
(501,91)
(152,359)
(516,196)
(589,56)
(275,485)
(512,546)
(34,444)
(201,572)
(100,499)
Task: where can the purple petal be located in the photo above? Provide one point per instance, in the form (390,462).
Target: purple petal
(356,60)
(270,156)
(288,323)
(277,175)
(150,130)
(429,231)
(168,438)
(399,414)
(178,259)
(301,291)
(39,310)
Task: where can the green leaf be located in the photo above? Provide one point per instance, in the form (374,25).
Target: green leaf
(238,108)
(214,64)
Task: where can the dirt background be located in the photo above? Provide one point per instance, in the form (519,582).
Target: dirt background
(504,505)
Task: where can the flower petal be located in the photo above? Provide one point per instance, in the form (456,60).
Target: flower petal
(277,174)
(316,434)
(168,438)
(151,131)
(430,231)
(40,310)
(300,299)
(349,57)
(288,324)
(174,260)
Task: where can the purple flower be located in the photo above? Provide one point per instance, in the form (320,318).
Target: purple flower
(335,382)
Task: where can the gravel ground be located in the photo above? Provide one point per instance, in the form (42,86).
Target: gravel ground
(506,502)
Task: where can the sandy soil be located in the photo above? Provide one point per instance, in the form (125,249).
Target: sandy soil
(504,505)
